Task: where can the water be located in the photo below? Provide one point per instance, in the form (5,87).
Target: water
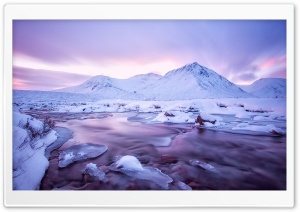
(202,159)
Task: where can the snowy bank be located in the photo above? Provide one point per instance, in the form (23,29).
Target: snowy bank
(30,139)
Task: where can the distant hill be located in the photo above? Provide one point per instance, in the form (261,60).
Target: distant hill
(267,88)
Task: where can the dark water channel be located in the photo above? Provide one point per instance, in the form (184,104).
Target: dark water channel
(241,162)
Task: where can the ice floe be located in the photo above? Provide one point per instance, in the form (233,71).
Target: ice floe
(132,167)
(80,152)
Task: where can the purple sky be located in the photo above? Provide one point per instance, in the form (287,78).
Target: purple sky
(53,54)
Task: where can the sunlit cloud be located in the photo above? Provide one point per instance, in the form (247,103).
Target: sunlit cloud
(44,80)
(241,51)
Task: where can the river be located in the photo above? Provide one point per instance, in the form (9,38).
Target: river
(239,161)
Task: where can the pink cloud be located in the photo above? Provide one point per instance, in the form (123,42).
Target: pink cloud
(273,62)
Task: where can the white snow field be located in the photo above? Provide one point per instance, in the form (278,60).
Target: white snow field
(30,139)
(255,111)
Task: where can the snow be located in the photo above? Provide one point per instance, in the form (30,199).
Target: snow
(129,163)
(94,171)
(132,167)
(243,115)
(270,128)
(267,88)
(191,81)
(80,152)
(29,161)
(178,117)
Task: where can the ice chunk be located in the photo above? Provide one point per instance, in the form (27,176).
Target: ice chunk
(203,165)
(184,186)
(129,163)
(132,167)
(79,153)
(95,172)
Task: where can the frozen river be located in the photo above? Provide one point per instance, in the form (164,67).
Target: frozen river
(200,159)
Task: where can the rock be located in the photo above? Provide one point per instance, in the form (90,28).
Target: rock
(201,121)
(169,114)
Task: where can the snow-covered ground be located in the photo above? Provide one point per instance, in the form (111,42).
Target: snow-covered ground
(30,139)
(261,114)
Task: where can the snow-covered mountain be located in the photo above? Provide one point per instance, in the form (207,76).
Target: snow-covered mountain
(267,88)
(191,81)
(107,87)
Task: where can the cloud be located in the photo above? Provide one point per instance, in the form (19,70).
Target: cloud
(32,79)
(230,47)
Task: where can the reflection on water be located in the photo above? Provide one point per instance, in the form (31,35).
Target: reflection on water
(242,162)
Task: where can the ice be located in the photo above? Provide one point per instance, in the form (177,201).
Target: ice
(64,134)
(270,128)
(184,186)
(95,172)
(129,163)
(243,115)
(203,165)
(132,167)
(79,153)
(265,118)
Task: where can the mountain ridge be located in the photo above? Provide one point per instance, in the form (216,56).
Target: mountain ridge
(191,81)
(267,88)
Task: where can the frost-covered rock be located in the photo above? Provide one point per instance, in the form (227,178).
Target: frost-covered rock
(79,153)
(132,167)
(174,117)
(94,172)
(205,119)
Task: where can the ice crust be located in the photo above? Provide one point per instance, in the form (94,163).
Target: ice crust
(132,167)
(79,153)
